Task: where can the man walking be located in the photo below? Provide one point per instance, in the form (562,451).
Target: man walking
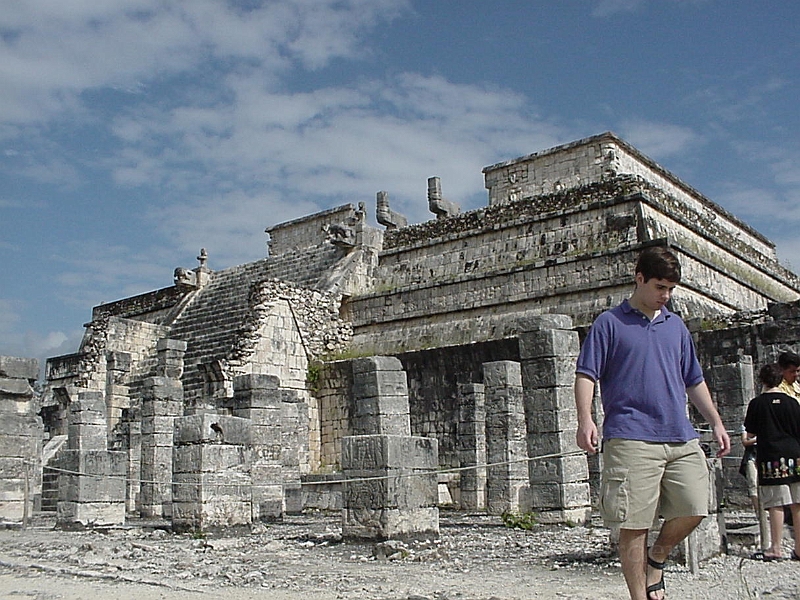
(644,359)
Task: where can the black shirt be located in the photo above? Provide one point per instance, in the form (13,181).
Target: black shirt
(775,418)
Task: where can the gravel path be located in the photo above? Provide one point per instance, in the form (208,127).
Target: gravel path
(304,558)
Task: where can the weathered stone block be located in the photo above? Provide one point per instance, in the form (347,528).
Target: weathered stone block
(548,372)
(503,400)
(544,322)
(400,488)
(267,416)
(566,469)
(546,421)
(207,427)
(501,374)
(548,343)
(380,383)
(376,363)
(560,495)
(19,368)
(209,458)
(556,442)
(381,405)
(548,399)
(390,523)
(158,424)
(162,389)
(386,451)
(87,437)
(163,407)
(230,486)
(77,515)
(15,387)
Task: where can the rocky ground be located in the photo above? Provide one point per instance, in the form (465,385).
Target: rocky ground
(304,558)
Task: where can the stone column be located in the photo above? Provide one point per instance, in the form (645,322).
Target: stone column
(258,398)
(21,433)
(559,488)
(380,394)
(118,365)
(395,492)
(472,445)
(294,441)
(732,386)
(162,403)
(505,436)
(91,487)
(212,484)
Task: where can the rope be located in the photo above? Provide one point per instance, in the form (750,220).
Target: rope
(335,481)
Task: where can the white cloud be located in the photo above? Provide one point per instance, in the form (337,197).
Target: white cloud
(51,52)
(659,140)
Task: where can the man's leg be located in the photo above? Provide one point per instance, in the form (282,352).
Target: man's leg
(796,527)
(672,533)
(632,549)
(776,531)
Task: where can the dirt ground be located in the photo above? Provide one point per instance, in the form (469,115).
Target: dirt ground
(304,558)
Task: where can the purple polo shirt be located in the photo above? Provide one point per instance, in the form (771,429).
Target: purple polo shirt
(644,368)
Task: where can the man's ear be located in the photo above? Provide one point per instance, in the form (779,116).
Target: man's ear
(639,279)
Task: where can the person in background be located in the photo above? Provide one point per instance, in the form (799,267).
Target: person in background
(748,470)
(644,359)
(774,418)
(789,363)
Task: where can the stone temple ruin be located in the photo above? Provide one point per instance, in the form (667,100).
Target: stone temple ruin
(385,372)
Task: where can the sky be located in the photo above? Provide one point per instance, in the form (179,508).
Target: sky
(135,132)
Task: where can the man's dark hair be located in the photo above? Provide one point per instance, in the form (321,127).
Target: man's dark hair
(658,262)
(788,359)
(771,375)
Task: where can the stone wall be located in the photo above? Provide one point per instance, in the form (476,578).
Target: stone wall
(570,252)
(600,158)
(21,434)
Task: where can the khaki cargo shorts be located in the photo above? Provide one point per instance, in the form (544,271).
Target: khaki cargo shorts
(643,480)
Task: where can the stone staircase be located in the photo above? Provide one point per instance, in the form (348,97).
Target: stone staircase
(212,323)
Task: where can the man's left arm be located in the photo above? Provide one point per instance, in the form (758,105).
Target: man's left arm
(701,398)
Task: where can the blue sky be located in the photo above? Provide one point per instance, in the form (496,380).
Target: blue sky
(135,132)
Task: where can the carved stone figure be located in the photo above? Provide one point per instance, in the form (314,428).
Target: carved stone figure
(386,216)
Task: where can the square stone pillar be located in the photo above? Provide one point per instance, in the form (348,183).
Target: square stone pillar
(559,487)
(258,398)
(472,445)
(395,489)
(162,403)
(21,434)
(505,436)
(380,393)
(211,472)
(91,486)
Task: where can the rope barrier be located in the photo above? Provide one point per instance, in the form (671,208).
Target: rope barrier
(328,481)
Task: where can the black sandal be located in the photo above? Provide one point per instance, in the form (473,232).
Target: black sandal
(656,587)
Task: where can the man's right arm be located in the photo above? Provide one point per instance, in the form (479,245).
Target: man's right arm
(587,437)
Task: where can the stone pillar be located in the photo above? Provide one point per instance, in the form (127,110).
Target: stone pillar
(118,365)
(91,487)
(257,398)
(559,487)
(294,453)
(732,386)
(380,394)
(396,489)
(505,436)
(21,433)
(162,403)
(472,445)
(131,436)
(212,483)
